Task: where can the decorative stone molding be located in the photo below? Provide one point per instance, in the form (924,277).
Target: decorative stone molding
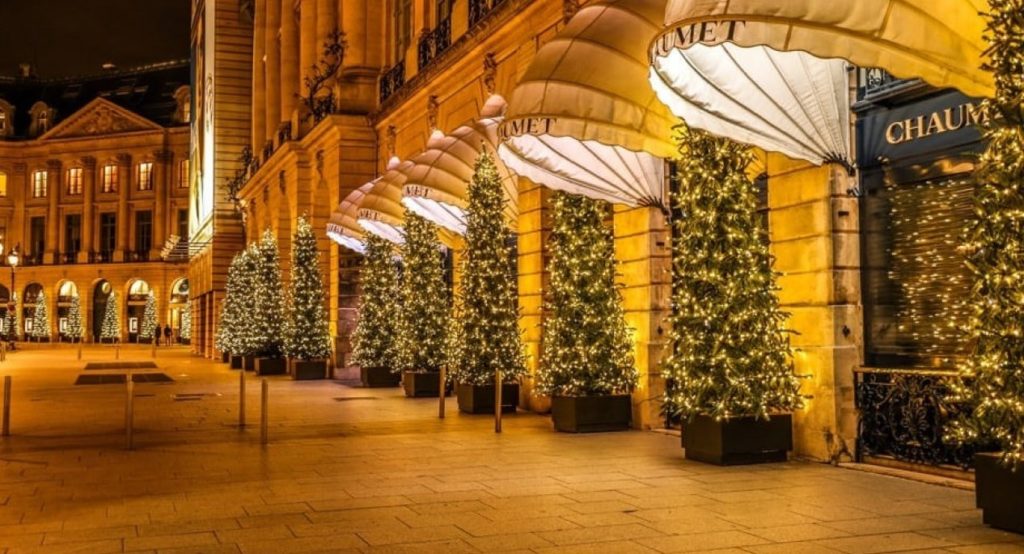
(490,73)
(53,165)
(569,9)
(124,159)
(433,107)
(391,140)
(89,162)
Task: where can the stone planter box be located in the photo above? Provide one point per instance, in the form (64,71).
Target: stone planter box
(379,377)
(271,366)
(479,399)
(236,362)
(249,363)
(999,493)
(740,440)
(307,370)
(591,414)
(422,384)
(225,357)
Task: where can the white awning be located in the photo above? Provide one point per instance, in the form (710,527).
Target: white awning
(437,181)
(342,227)
(381,211)
(772,72)
(583,117)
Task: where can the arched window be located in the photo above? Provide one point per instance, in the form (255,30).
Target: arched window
(139,289)
(3,184)
(68,289)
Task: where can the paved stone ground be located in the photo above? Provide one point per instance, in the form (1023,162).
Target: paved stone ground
(357,470)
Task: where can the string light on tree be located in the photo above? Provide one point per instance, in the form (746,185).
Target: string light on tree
(489,336)
(148,327)
(185,326)
(375,340)
(264,311)
(586,347)
(423,317)
(111,328)
(730,354)
(229,327)
(74,329)
(307,336)
(41,318)
(993,375)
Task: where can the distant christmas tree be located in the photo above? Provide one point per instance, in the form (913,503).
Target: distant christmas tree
(149,327)
(228,337)
(111,328)
(489,307)
(266,313)
(730,354)
(423,316)
(185,328)
(375,341)
(13,320)
(993,375)
(41,319)
(74,329)
(586,346)
(307,334)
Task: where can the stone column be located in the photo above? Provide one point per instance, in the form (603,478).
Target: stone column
(291,85)
(88,215)
(309,51)
(814,230)
(364,56)
(326,20)
(18,189)
(53,180)
(124,180)
(161,166)
(534,226)
(272,117)
(643,251)
(259,82)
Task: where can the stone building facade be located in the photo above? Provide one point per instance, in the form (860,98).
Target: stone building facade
(94,185)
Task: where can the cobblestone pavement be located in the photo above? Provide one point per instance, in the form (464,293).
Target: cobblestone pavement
(355,470)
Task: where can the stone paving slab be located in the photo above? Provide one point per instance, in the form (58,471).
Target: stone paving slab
(388,476)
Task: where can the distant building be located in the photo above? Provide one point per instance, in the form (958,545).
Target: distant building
(94,192)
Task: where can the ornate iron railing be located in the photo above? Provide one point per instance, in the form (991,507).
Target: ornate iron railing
(903,414)
(434,42)
(478,10)
(392,80)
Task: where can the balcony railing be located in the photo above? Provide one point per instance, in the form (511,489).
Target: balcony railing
(392,80)
(434,42)
(478,10)
(33,259)
(136,256)
(101,257)
(66,257)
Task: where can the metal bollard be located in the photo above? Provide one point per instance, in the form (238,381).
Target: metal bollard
(3,350)
(80,340)
(497,401)
(7,407)
(440,402)
(241,398)
(129,412)
(264,415)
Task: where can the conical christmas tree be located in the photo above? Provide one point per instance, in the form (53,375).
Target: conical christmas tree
(423,317)
(993,376)
(586,347)
(148,327)
(74,329)
(185,328)
(110,331)
(41,319)
(230,327)
(730,353)
(307,336)
(489,307)
(267,313)
(375,340)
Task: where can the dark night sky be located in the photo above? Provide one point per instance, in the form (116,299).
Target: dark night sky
(72,37)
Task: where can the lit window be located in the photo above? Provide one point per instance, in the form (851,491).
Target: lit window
(146,176)
(75,180)
(110,178)
(3,121)
(39,183)
(3,184)
(183,174)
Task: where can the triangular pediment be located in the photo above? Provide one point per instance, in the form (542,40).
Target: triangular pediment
(100,117)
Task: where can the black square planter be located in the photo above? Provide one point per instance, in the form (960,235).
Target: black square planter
(740,440)
(379,377)
(236,362)
(225,357)
(591,414)
(479,399)
(999,493)
(308,370)
(271,366)
(249,363)
(422,384)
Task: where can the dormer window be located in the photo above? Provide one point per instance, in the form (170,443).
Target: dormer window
(41,119)
(6,119)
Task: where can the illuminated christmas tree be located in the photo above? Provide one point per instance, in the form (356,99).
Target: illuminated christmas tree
(185,328)
(111,328)
(993,375)
(230,325)
(423,317)
(307,336)
(12,318)
(586,346)
(74,329)
(265,309)
(148,327)
(730,354)
(375,340)
(41,319)
(488,304)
